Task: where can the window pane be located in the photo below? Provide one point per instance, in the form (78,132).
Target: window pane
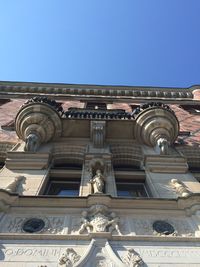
(131,190)
(61,188)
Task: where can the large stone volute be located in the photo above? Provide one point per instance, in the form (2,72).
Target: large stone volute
(156,124)
(38,121)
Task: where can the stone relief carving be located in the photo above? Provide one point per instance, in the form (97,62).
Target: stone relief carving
(16,186)
(99,219)
(180,188)
(183,228)
(144,227)
(97,183)
(69,258)
(53,225)
(102,261)
(132,259)
(32,142)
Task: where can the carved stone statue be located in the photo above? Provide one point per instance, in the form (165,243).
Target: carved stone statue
(17,185)
(97,183)
(99,219)
(114,223)
(86,225)
(133,259)
(180,188)
(32,143)
(69,258)
(163,145)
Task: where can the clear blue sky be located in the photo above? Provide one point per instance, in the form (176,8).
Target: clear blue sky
(120,42)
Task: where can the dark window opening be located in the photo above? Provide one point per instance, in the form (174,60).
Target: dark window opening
(194,169)
(123,167)
(8,126)
(4,101)
(1,164)
(193,109)
(67,166)
(129,189)
(69,187)
(96,105)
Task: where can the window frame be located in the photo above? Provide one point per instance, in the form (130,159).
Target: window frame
(64,176)
(135,177)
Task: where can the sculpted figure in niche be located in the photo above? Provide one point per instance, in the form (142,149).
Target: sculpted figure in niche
(163,145)
(97,183)
(17,185)
(32,142)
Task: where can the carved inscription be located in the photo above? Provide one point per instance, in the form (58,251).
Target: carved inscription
(169,253)
(32,252)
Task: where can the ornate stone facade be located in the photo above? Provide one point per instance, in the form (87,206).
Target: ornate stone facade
(105,184)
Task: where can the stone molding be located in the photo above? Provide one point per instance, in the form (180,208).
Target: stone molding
(63,91)
(165,164)
(27,160)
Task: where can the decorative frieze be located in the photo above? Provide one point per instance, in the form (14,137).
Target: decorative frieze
(52,225)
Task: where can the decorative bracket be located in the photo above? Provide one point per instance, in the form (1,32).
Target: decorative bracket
(98,133)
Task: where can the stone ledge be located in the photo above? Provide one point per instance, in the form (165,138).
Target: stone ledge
(108,236)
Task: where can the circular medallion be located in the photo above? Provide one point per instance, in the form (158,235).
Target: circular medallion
(163,227)
(33,225)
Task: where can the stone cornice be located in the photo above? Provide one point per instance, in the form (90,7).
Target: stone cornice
(147,238)
(157,204)
(85,92)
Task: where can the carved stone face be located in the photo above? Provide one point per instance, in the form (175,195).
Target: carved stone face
(98,172)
